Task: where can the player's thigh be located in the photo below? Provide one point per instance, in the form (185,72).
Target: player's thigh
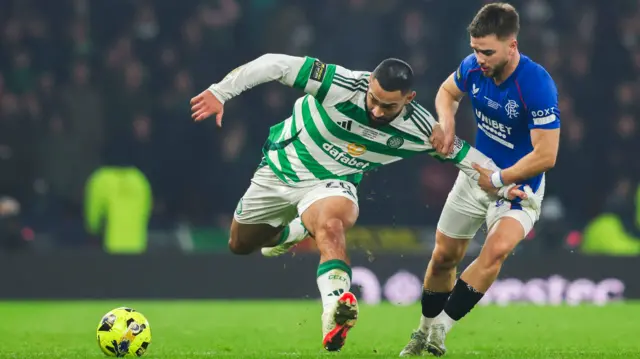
(264,209)
(463,213)
(329,205)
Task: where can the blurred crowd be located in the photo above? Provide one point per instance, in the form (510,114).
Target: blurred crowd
(85,84)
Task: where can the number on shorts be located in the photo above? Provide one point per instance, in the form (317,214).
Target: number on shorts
(345,188)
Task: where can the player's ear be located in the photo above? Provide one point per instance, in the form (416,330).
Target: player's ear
(410,97)
(513,46)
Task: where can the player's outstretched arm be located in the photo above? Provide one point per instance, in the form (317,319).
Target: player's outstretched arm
(266,68)
(306,73)
(447,102)
(467,157)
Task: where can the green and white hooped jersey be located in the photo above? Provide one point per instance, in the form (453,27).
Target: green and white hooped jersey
(328,137)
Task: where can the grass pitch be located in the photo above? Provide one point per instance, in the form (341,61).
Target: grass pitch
(277,329)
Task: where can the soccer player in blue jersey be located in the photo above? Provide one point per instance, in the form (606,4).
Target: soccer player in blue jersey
(515,103)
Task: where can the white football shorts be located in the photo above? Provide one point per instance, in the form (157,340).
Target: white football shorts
(468,206)
(268,200)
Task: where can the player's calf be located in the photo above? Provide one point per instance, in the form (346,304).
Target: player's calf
(479,275)
(501,241)
(440,276)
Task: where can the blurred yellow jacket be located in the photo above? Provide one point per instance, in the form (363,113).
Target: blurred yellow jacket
(118,201)
(606,235)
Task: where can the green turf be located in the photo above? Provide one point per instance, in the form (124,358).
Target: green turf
(204,329)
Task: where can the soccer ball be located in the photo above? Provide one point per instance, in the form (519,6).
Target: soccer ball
(123,332)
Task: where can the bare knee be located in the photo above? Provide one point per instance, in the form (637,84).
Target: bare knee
(246,238)
(332,230)
(237,247)
(448,253)
(444,259)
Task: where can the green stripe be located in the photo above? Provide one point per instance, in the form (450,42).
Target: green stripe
(304,74)
(315,135)
(462,153)
(326,83)
(275,132)
(347,136)
(358,114)
(286,166)
(273,143)
(307,159)
(459,156)
(283,235)
(333,264)
(284,160)
(275,169)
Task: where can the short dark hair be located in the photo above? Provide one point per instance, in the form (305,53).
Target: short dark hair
(500,19)
(394,75)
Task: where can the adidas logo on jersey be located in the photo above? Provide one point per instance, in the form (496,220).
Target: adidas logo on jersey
(345,124)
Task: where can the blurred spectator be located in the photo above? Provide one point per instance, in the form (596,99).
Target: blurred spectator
(80,79)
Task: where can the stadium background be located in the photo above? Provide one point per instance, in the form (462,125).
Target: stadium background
(88,85)
(95,89)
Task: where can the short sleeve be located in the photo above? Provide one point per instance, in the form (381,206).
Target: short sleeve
(541,99)
(462,73)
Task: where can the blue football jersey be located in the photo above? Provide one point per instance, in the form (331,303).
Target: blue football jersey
(507,113)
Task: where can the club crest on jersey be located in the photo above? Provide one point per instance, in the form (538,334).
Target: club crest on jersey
(512,109)
(395,142)
(356,150)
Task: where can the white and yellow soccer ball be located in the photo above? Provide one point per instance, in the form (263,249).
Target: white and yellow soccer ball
(124,332)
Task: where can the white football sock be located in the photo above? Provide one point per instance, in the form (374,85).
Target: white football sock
(444,318)
(425,323)
(333,280)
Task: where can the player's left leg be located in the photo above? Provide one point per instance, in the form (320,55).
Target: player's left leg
(328,211)
(507,230)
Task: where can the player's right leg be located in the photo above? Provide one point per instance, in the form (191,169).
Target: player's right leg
(461,217)
(328,211)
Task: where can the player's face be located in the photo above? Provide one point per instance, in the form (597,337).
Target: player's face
(493,54)
(384,106)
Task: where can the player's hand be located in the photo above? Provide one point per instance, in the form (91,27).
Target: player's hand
(437,138)
(442,139)
(512,192)
(485,178)
(205,105)
(448,141)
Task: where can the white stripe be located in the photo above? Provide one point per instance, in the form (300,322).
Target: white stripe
(312,85)
(342,144)
(286,130)
(544,120)
(495,138)
(317,153)
(296,165)
(273,156)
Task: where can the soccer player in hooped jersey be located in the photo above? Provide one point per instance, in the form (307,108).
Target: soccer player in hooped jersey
(348,123)
(515,103)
